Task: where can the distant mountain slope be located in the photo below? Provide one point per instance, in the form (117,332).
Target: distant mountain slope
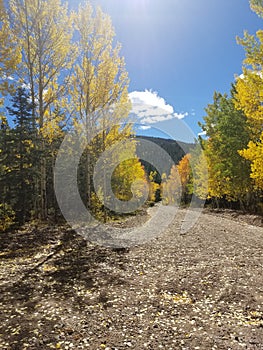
(176,149)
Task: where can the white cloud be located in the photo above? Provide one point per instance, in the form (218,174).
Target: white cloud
(150,108)
(150,98)
(152,119)
(203,133)
(145,127)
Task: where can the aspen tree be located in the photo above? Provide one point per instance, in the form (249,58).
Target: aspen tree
(43,31)
(249,97)
(99,94)
(10,55)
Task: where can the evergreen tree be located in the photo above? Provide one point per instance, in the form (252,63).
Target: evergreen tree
(43,31)
(21,174)
(6,210)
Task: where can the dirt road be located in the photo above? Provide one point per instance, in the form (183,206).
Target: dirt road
(201,290)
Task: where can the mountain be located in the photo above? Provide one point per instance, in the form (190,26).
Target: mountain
(175,149)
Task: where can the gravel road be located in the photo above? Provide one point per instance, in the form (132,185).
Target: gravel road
(199,290)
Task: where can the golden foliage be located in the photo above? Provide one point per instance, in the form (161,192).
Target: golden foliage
(254,153)
(249,98)
(179,183)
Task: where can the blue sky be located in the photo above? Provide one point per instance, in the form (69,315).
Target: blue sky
(182,50)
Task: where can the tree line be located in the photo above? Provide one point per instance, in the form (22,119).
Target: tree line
(61,72)
(226,168)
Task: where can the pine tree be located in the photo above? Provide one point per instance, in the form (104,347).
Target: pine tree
(43,31)
(7,214)
(22,166)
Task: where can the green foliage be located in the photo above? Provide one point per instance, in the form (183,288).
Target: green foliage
(19,178)
(227,133)
(82,86)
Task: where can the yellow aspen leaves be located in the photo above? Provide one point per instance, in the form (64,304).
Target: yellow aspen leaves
(249,97)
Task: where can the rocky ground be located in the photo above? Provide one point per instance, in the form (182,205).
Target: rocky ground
(200,290)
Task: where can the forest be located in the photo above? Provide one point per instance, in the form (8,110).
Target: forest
(134,279)
(63,75)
